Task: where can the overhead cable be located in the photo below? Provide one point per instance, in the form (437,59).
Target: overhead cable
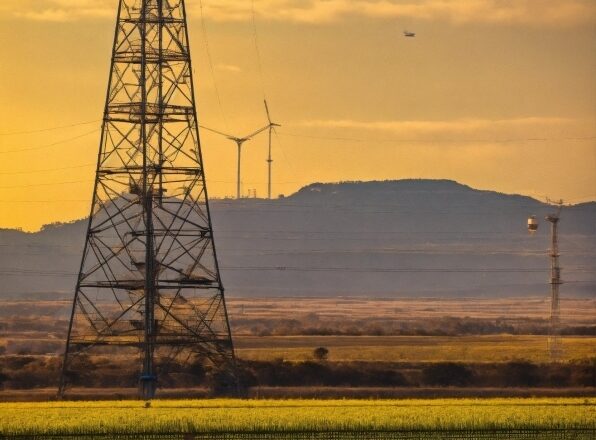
(41,130)
(41,147)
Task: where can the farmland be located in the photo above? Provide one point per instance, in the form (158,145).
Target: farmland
(499,348)
(355,328)
(372,343)
(286,416)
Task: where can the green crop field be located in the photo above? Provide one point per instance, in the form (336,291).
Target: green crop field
(295,416)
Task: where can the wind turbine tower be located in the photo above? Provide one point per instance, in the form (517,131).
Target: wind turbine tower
(272,126)
(239,142)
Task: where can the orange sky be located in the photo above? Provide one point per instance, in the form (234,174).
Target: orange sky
(495,94)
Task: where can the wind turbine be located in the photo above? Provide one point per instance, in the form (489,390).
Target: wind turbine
(239,142)
(271,127)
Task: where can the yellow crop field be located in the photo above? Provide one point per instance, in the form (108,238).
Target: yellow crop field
(494,348)
(283,416)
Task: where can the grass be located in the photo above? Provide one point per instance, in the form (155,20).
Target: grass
(574,311)
(227,415)
(500,348)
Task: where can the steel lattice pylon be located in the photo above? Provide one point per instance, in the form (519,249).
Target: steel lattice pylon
(149,281)
(554,335)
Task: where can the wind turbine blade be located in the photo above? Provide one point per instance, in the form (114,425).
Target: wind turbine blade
(257,132)
(267,110)
(217,132)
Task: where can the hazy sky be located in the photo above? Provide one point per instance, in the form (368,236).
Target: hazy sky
(497,94)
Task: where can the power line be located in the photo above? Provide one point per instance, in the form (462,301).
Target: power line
(437,141)
(40,147)
(283,152)
(83,181)
(94,164)
(69,182)
(47,170)
(45,201)
(210,59)
(17,271)
(266,235)
(41,130)
(429,250)
(390,270)
(307,251)
(256,205)
(356,232)
(289,202)
(366,239)
(257,49)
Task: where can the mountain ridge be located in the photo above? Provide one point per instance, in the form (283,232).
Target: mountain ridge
(411,237)
(422,185)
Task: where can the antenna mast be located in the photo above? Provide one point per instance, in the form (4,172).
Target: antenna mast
(554,337)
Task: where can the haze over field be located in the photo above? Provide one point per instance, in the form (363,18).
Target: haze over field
(395,238)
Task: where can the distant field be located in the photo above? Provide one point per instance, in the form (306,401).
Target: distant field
(412,348)
(501,348)
(574,311)
(287,416)
(396,327)
(401,336)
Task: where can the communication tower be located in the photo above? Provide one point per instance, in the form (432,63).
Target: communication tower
(554,335)
(554,340)
(149,288)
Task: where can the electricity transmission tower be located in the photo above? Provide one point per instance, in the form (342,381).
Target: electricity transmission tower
(149,287)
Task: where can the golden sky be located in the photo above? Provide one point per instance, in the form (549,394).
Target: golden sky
(497,94)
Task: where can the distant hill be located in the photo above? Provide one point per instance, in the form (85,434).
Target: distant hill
(393,238)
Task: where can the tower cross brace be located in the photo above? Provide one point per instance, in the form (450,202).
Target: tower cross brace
(149,284)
